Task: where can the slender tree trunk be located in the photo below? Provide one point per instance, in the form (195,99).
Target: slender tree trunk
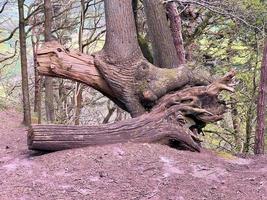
(111,110)
(37,85)
(176,29)
(236,126)
(37,78)
(190,46)
(249,118)
(261,105)
(164,53)
(24,66)
(79,86)
(49,94)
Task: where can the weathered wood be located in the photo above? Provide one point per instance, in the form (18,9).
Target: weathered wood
(167,122)
(141,129)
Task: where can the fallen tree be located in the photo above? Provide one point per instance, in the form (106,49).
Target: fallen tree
(162,101)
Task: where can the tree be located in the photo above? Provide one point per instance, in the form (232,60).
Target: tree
(176,28)
(49,96)
(162,99)
(261,105)
(79,86)
(24,66)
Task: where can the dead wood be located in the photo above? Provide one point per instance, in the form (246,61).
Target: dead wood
(166,123)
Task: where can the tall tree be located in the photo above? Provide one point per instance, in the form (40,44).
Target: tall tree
(35,38)
(49,95)
(79,86)
(24,66)
(261,105)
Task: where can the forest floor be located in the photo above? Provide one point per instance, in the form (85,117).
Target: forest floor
(123,171)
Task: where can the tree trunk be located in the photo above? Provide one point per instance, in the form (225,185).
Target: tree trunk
(49,94)
(164,53)
(261,105)
(249,118)
(24,66)
(142,41)
(122,73)
(166,123)
(37,78)
(79,87)
(111,110)
(236,126)
(37,85)
(176,30)
(144,129)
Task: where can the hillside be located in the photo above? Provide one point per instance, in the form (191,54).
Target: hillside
(123,171)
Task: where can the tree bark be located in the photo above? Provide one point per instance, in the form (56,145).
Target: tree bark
(79,86)
(176,30)
(37,83)
(236,126)
(261,105)
(143,129)
(164,53)
(49,95)
(166,122)
(24,66)
(249,118)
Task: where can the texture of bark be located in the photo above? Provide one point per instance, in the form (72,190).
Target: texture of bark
(164,53)
(261,105)
(37,83)
(142,41)
(166,123)
(236,126)
(48,82)
(249,119)
(176,30)
(24,66)
(142,129)
(79,87)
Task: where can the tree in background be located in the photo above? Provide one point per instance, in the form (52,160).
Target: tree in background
(49,94)
(24,66)
(261,105)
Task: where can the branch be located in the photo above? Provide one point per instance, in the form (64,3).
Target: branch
(10,36)
(13,55)
(215,9)
(3,7)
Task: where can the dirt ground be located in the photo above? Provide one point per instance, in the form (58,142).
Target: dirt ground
(122,171)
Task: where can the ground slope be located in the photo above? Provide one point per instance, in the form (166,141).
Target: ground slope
(122,171)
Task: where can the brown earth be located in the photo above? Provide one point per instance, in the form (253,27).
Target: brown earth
(123,171)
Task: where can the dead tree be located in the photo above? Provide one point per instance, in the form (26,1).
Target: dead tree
(162,100)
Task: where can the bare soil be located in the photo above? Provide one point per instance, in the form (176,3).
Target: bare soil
(123,171)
